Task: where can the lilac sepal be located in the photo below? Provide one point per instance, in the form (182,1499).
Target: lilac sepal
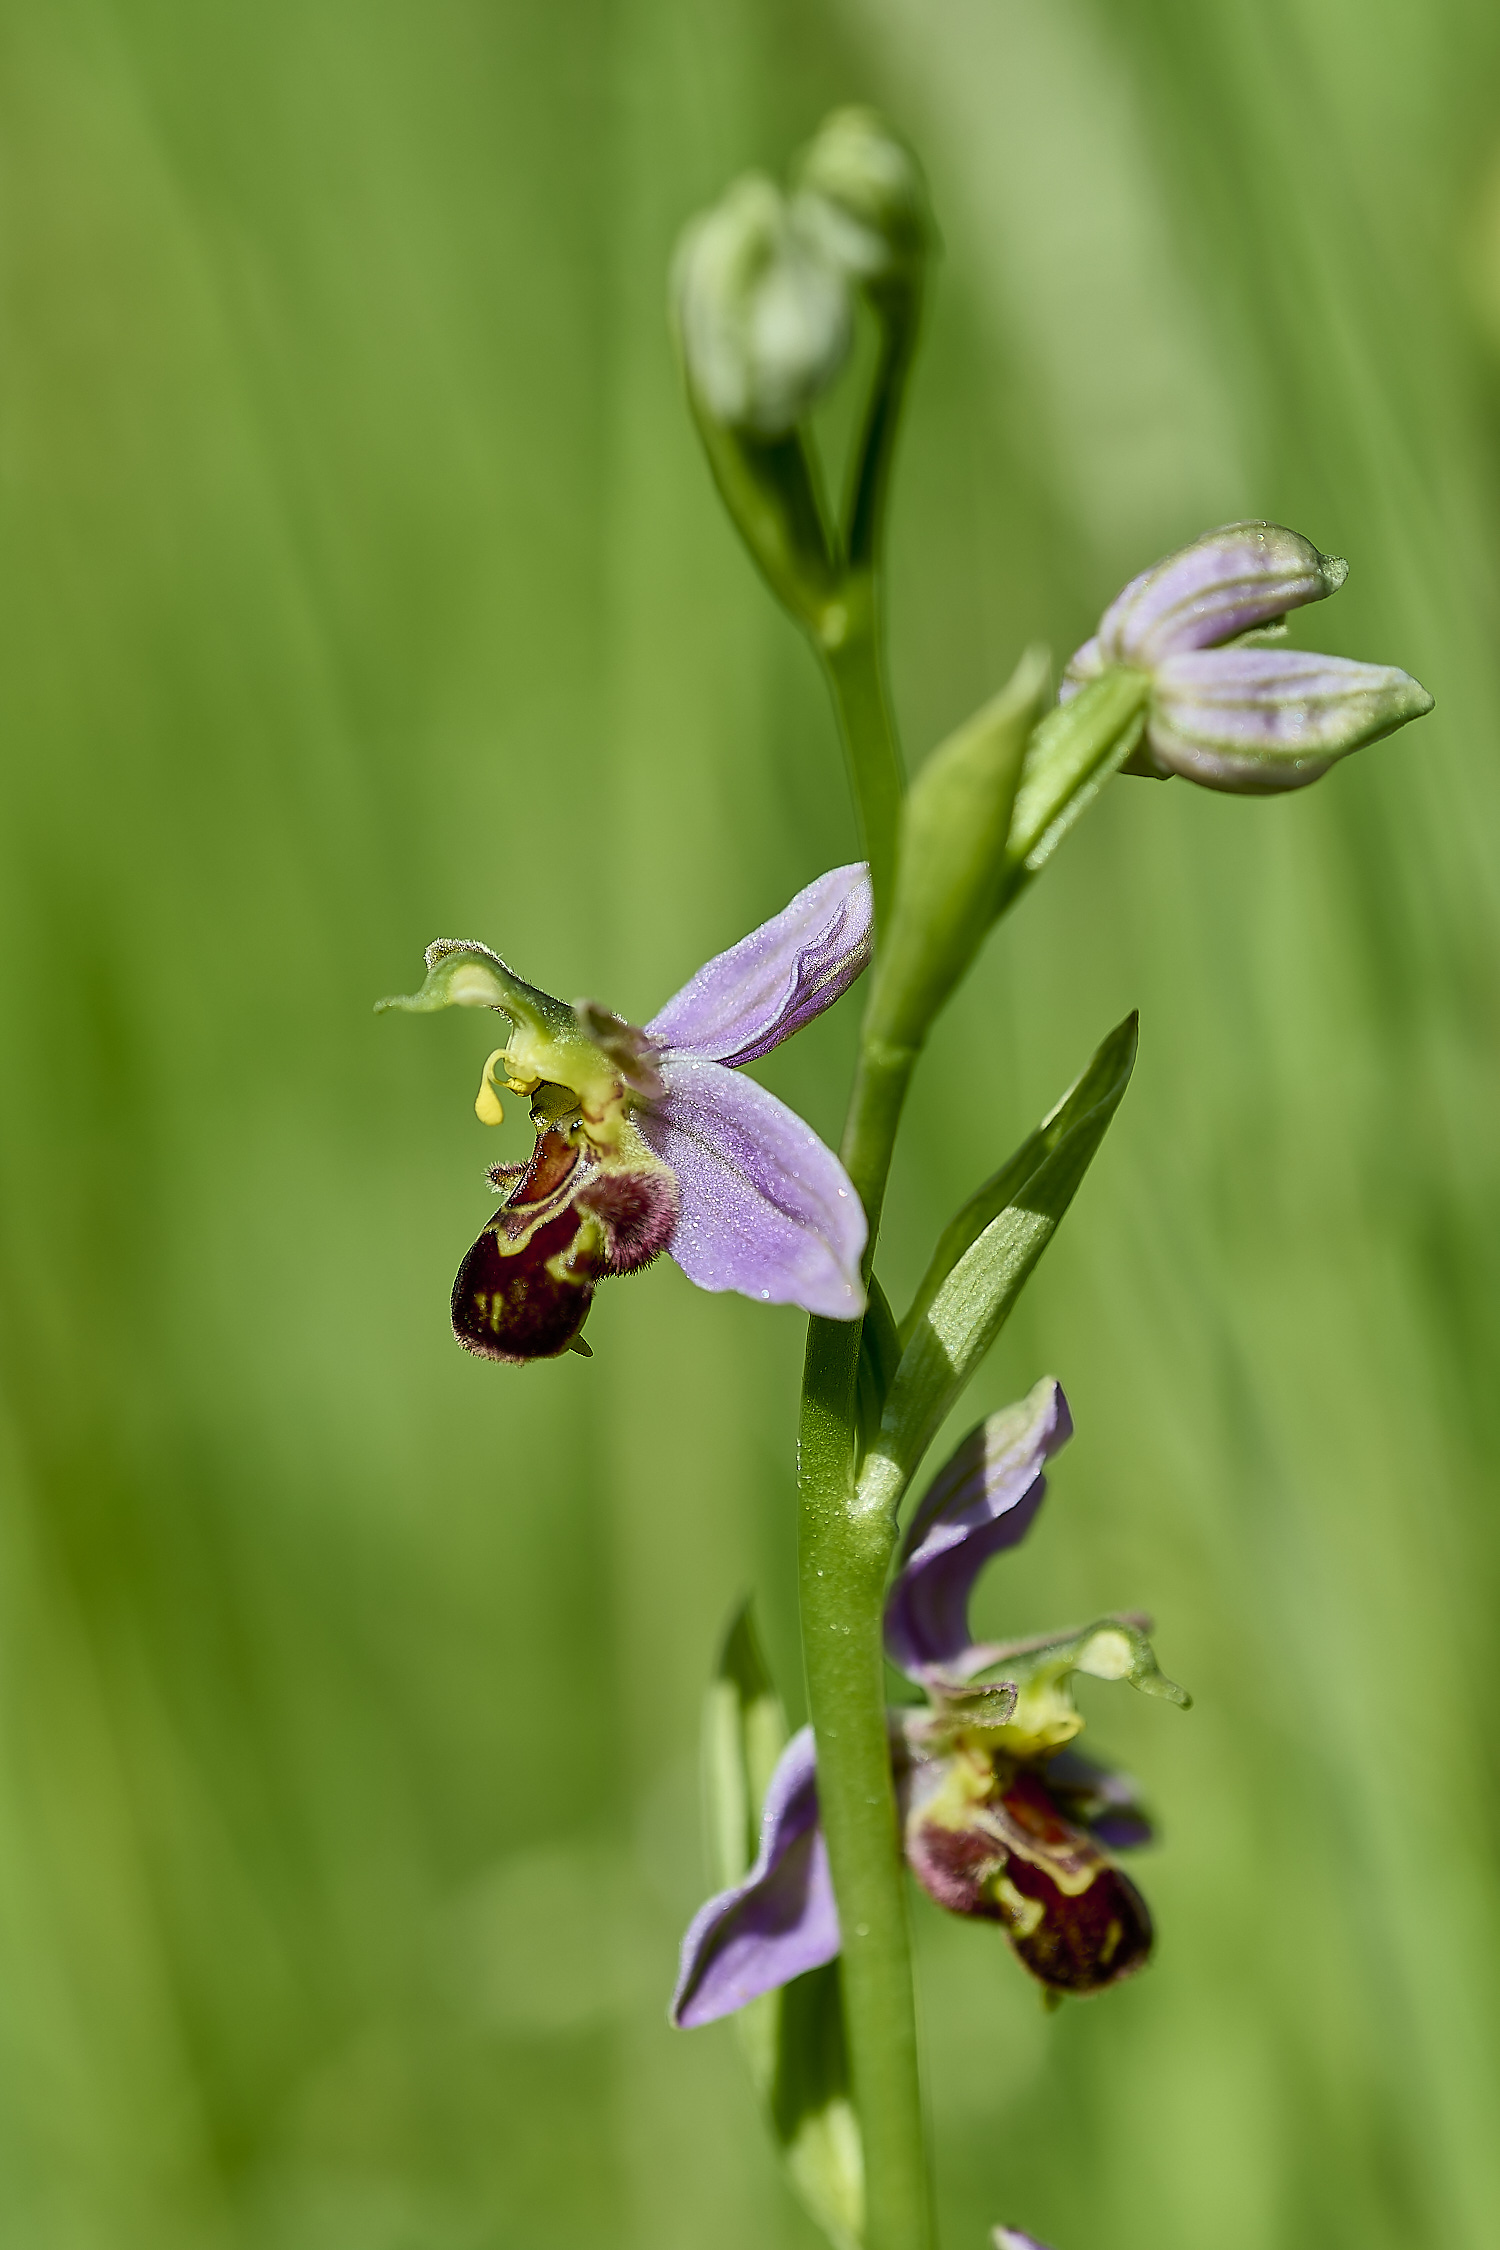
(1230,581)
(1272,718)
(780,1921)
(746,1001)
(1101,1799)
(1011,2238)
(982,1502)
(765,1207)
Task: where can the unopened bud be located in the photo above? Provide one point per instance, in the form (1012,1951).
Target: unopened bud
(763,310)
(866,195)
(1238,579)
(1258,720)
(1224,708)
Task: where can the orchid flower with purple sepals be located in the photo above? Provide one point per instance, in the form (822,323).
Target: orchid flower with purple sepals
(1226,709)
(1004,1819)
(649,1140)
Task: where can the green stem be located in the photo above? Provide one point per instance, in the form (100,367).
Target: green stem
(844,1561)
(849,642)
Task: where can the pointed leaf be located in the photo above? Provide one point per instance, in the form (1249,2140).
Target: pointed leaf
(982,1264)
(1101,1083)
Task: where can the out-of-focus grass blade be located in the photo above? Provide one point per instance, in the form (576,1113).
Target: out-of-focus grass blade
(983,1262)
(811,2112)
(792,2040)
(744,1733)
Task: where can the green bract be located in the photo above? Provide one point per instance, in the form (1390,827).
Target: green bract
(953,837)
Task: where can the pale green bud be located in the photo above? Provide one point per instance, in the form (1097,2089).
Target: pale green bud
(763,310)
(867,197)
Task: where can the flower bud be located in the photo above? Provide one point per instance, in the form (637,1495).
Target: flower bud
(763,311)
(1240,578)
(1224,708)
(1257,720)
(865,196)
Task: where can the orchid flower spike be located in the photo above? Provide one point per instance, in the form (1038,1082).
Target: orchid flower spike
(649,1140)
(1226,709)
(1004,1819)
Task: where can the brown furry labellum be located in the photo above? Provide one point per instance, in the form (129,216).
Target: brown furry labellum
(1073,1919)
(573,1218)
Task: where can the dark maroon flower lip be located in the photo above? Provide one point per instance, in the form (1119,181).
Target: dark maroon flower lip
(524,1289)
(1072,1918)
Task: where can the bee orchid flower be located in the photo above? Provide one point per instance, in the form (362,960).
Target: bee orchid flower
(1004,1819)
(651,1139)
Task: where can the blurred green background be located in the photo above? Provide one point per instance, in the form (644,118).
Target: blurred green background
(361,583)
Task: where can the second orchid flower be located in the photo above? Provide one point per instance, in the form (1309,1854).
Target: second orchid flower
(1004,1820)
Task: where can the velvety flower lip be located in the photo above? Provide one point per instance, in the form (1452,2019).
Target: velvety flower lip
(988,1838)
(982,1502)
(649,1141)
(777,1923)
(1253,720)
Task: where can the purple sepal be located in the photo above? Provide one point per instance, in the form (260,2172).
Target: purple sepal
(746,1001)
(1101,1799)
(780,1921)
(1011,2238)
(1258,720)
(982,1502)
(1231,581)
(765,1207)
